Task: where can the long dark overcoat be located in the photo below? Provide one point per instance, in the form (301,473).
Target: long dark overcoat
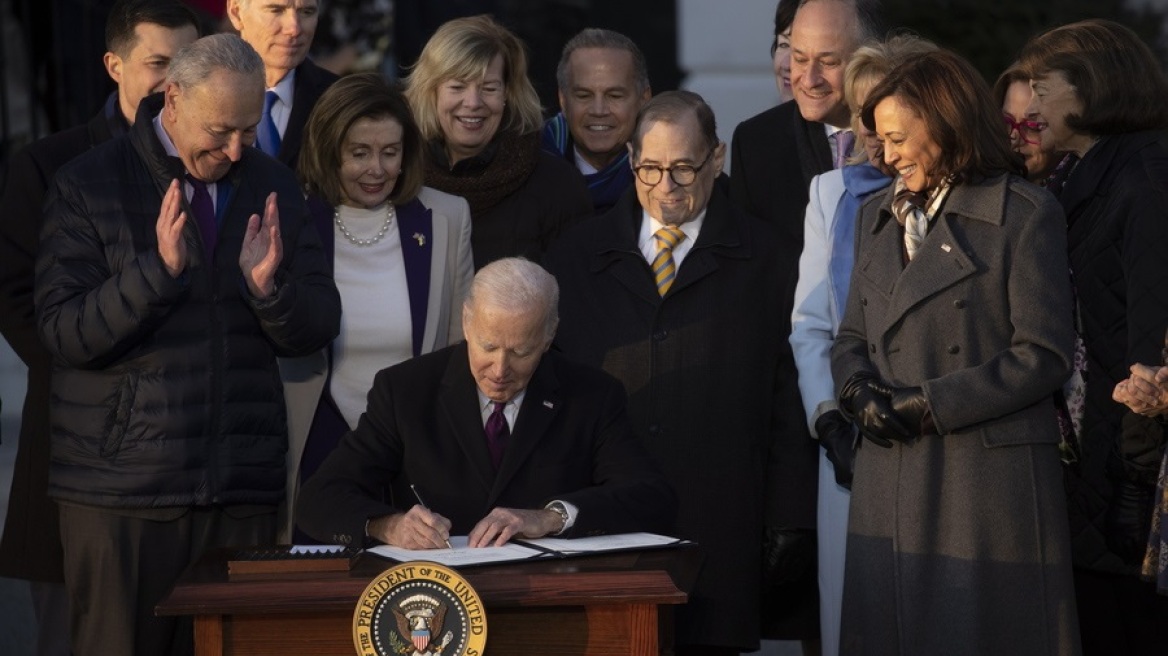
(958,543)
(1116,235)
(711,386)
(31,546)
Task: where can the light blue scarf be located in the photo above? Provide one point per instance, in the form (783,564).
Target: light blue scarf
(859,181)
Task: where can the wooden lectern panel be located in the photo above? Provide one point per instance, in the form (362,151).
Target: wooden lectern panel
(595,606)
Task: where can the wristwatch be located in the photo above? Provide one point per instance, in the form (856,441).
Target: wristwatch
(558,508)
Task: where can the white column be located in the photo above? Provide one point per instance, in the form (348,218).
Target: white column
(724,49)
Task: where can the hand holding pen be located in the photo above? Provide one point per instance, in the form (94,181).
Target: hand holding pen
(417,528)
(444,523)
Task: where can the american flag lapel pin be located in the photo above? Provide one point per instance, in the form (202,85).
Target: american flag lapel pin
(549,405)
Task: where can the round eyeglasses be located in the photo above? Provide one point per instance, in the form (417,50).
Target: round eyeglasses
(1027,130)
(683,175)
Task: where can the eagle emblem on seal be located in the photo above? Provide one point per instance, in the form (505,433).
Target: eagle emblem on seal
(419,620)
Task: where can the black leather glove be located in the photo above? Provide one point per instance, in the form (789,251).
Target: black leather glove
(910,405)
(838,437)
(868,401)
(788,555)
(1129,519)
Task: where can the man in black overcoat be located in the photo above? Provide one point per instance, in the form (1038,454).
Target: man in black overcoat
(281,31)
(774,154)
(687,300)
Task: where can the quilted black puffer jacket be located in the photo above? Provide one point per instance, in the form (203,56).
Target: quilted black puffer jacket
(1116,202)
(165,391)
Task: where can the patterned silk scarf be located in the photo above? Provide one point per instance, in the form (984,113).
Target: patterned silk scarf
(914,211)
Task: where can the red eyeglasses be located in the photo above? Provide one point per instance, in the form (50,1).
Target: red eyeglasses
(1024,128)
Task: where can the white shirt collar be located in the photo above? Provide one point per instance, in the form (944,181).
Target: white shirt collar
(510,411)
(285,87)
(582,164)
(649,226)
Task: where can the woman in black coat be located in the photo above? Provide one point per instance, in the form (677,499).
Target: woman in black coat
(481,120)
(1101,94)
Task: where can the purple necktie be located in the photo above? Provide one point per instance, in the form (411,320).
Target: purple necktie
(844,141)
(497,434)
(204,211)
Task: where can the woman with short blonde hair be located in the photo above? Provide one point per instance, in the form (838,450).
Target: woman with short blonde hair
(480,118)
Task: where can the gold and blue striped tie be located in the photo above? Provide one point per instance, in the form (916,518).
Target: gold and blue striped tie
(664,269)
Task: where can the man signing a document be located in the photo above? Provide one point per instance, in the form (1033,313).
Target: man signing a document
(499,436)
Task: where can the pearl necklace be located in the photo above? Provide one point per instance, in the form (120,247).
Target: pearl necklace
(390,213)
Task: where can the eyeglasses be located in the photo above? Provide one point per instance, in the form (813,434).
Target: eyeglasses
(1024,128)
(683,175)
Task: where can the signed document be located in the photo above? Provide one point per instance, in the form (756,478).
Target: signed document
(462,555)
(600,543)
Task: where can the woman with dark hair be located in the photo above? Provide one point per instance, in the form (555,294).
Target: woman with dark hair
(1103,96)
(481,121)
(401,259)
(951,346)
(781,47)
(1044,166)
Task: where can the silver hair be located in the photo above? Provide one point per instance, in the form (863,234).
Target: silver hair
(594,37)
(517,285)
(193,64)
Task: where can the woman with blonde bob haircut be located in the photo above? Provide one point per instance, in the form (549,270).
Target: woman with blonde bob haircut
(480,118)
(401,259)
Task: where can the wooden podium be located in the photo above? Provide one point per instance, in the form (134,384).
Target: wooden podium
(595,605)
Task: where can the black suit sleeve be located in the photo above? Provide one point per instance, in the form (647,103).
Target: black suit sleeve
(349,488)
(629,492)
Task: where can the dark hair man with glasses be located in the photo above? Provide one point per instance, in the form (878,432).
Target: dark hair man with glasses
(686,300)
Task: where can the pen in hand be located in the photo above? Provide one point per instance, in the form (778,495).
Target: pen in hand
(418,496)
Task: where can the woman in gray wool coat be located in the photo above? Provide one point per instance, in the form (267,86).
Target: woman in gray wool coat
(955,337)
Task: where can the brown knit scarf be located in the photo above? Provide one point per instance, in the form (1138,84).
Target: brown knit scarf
(484,183)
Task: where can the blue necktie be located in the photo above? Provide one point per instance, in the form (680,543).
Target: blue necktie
(204,211)
(267,136)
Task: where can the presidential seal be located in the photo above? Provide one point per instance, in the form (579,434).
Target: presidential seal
(419,609)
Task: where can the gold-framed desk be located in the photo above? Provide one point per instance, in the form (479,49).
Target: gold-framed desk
(610,605)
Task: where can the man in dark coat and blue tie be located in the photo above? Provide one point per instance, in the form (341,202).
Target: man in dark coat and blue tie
(281,32)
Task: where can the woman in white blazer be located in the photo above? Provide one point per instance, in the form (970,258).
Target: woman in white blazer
(401,259)
(825,268)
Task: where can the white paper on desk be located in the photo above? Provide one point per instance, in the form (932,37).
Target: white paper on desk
(600,543)
(461,554)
